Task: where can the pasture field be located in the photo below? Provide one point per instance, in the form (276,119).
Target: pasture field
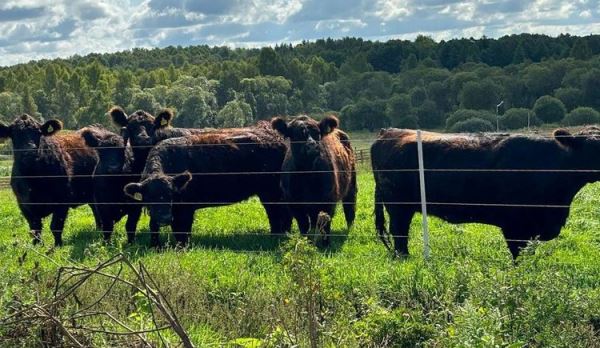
(238,286)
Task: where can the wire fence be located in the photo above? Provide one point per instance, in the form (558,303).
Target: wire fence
(362,156)
(7,151)
(431,255)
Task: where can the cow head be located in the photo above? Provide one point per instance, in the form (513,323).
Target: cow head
(158,192)
(305,133)
(138,127)
(584,146)
(110,148)
(26,133)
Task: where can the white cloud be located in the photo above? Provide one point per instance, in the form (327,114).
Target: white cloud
(344,25)
(392,9)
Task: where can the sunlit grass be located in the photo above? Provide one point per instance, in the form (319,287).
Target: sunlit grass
(231,283)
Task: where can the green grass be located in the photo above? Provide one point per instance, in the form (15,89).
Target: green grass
(236,281)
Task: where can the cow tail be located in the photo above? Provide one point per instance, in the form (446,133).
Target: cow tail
(380,218)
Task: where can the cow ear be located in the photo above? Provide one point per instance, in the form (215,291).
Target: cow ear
(328,124)
(134,191)
(90,138)
(51,127)
(4,131)
(163,120)
(280,125)
(118,115)
(563,137)
(180,181)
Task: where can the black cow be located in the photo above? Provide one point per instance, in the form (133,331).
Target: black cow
(319,169)
(522,184)
(143,131)
(50,174)
(111,174)
(177,179)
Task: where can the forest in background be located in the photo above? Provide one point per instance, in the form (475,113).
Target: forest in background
(452,85)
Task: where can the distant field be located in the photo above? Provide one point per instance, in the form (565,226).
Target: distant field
(236,286)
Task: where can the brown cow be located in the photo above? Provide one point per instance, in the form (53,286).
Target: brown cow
(213,168)
(319,170)
(50,174)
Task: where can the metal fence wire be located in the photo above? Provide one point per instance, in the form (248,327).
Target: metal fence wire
(362,156)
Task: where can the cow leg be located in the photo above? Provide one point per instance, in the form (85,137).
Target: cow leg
(35,228)
(181,226)
(516,240)
(97,217)
(154,234)
(131,225)
(108,225)
(349,203)
(58,224)
(400,219)
(275,214)
(286,219)
(515,248)
(301,217)
(280,218)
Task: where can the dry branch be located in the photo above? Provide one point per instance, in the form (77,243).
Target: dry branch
(70,278)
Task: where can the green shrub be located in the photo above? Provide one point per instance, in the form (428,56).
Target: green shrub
(549,109)
(582,116)
(395,328)
(571,97)
(473,125)
(516,118)
(466,114)
(409,121)
(429,116)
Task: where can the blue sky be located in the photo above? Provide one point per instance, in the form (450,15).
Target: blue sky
(35,29)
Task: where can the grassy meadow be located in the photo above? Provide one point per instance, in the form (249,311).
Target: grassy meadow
(238,286)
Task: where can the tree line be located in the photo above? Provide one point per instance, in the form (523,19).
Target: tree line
(455,85)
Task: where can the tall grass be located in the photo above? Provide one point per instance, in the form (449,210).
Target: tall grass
(238,285)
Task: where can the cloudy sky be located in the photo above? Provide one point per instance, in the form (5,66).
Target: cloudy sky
(35,29)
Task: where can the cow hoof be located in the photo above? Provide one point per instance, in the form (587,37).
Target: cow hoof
(400,255)
(324,243)
(180,246)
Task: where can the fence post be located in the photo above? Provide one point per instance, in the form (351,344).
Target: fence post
(423,197)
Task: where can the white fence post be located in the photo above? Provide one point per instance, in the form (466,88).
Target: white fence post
(423,197)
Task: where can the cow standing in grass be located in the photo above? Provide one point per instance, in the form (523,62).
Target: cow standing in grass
(50,174)
(213,168)
(319,170)
(111,174)
(522,184)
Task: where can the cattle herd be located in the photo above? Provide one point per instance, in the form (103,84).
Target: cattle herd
(299,169)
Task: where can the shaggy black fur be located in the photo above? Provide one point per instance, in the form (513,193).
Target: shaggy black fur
(143,131)
(397,149)
(175,182)
(50,174)
(319,167)
(111,174)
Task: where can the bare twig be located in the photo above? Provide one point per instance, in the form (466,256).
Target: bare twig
(69,280)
